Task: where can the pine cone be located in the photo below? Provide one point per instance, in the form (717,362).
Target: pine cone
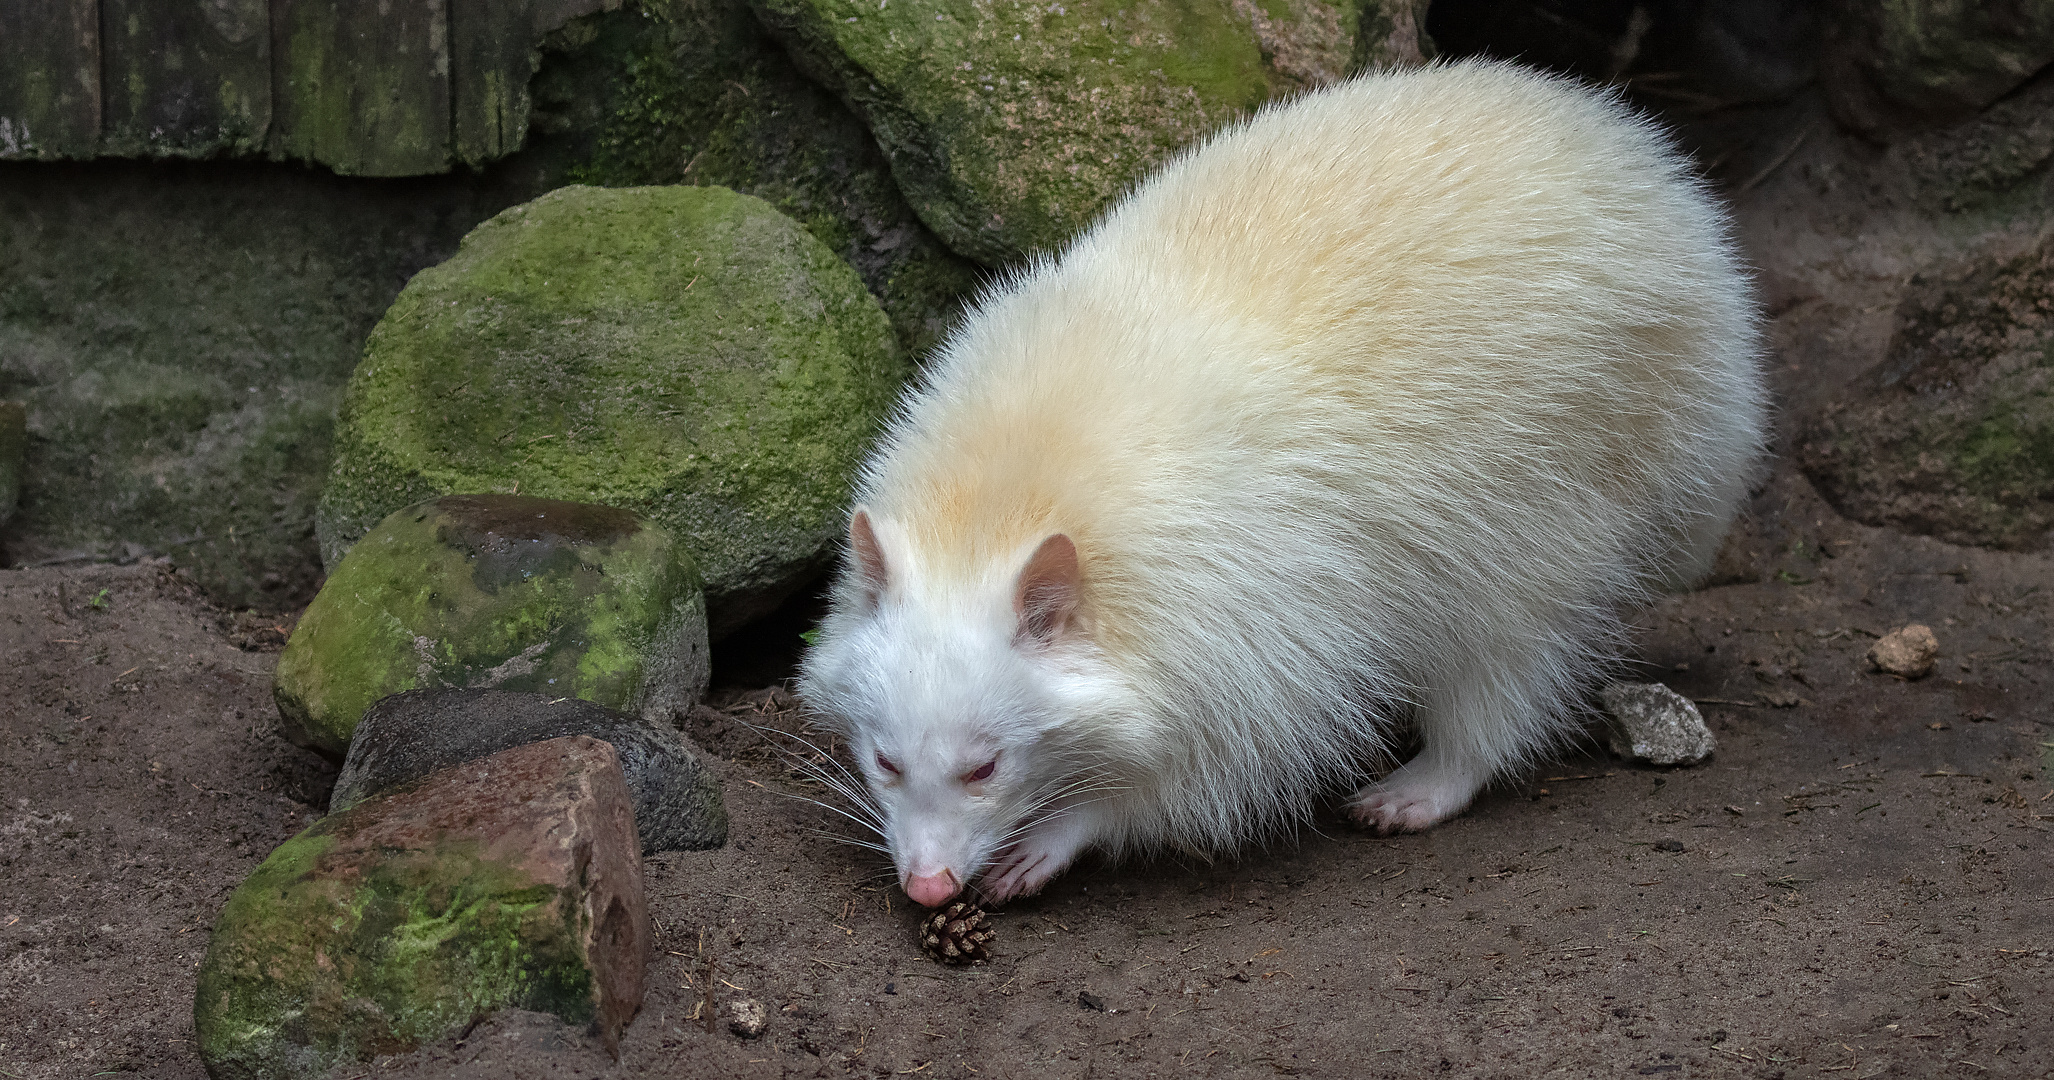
(957,935)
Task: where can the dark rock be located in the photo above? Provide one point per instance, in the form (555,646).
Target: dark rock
(181,333)
(1891,68)
(407,736)
(498,592)
(1953,434)
(14,448)
(510,881)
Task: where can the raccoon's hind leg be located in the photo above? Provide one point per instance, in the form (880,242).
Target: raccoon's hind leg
(1486,720)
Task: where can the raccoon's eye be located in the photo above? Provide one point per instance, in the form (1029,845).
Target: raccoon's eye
(887,765)
(983,772)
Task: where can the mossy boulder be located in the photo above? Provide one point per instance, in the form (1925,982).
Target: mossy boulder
(1954,437)
(1011,125)
(696,91)
(498,591)
(509,882)
(687,353)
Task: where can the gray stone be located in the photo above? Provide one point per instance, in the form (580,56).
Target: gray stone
(747,1017)
(406,736)
(687,353)
(1654,724)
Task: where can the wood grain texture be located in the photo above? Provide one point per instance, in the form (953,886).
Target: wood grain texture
(362,86)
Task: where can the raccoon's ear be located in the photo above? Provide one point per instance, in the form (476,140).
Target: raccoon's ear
(1046,596)
(869,556)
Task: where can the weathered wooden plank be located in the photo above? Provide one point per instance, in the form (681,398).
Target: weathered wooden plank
(49,78)
(492,53)
(361,86)
(185,78)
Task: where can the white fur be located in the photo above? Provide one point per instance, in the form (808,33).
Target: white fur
(1383,404)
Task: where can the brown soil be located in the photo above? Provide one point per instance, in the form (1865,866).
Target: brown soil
(1858,884)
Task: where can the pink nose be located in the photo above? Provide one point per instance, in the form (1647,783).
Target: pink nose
(933,890)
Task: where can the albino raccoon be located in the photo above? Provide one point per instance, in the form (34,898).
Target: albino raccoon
(1381,405)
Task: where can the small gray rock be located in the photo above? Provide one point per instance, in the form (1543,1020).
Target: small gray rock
(1652,723)
(407,736)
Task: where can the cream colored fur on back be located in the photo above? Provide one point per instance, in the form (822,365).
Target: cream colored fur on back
(1383,404)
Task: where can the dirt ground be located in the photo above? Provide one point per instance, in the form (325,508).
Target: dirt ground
(1859,884)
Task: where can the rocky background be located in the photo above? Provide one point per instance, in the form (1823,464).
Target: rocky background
(387,296)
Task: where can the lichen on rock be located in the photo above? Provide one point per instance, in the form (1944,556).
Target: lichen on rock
(505,592)
(687,353)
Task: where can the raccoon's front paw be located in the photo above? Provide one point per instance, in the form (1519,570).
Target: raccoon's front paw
(1035,859)
(1413,798)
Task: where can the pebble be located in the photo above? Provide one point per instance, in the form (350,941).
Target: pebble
(747,1017)
(1907,652)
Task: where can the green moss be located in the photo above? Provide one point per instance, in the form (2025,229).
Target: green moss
(313,964)
(1011,126)
(692,91)
(686,353)
(424,601)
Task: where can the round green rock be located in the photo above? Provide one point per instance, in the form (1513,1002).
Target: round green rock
(499,592)
(687,353)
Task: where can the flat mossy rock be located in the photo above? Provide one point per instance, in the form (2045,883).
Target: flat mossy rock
(1954,438)
(508,882)
(1010,125)
(687,353)
(498,591)
(407,736)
